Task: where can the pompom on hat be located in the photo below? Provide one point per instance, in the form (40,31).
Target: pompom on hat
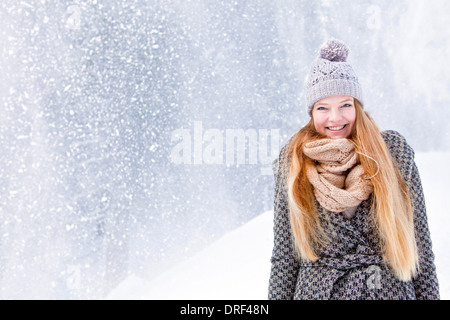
(331,74)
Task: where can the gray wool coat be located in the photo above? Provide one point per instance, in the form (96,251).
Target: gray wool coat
(351,267)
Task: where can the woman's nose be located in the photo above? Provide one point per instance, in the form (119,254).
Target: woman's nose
(335,115)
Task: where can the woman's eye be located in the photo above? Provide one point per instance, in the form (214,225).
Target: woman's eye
(321,108)
(347,105)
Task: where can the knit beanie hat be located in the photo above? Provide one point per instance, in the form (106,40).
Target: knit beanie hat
(331,75)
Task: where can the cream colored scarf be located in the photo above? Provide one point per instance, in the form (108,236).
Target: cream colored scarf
(338,179)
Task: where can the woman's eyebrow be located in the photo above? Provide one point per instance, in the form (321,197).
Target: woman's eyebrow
(326,104)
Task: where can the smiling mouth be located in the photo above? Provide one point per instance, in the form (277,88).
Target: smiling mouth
(336,128)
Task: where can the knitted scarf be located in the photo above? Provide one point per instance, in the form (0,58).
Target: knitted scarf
(337,177)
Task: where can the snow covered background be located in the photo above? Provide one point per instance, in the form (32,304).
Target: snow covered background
(116,118)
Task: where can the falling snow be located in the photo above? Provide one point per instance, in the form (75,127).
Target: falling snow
(91,93)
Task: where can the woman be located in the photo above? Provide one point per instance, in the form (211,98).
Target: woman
(350,219)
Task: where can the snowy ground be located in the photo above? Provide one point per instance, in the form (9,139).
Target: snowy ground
(237,266)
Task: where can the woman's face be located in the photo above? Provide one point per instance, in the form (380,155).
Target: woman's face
(335,116)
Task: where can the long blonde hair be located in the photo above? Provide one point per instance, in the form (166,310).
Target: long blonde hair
(392,206)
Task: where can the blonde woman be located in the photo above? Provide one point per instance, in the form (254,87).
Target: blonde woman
(350,219)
